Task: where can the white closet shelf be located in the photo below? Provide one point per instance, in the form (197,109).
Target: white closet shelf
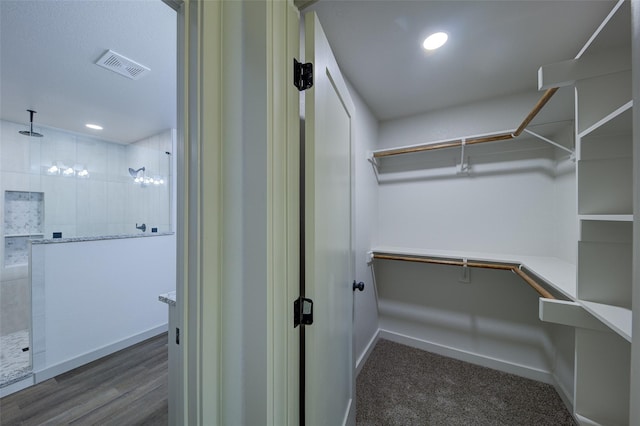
(617,318)
(607,217)
(472,140)
(557,273)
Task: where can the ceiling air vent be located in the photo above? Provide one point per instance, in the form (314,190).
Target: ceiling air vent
(124,66)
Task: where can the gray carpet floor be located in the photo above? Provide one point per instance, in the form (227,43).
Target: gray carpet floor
(400,385)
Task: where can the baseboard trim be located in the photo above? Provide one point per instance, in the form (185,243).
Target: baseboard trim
(473,358)
(16,386)
(367,351)
(565,395)
(586,421)
(63,367)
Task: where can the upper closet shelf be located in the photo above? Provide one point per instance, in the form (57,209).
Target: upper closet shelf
(472,140)
(556,273)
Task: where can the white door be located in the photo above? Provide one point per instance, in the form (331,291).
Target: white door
(329,360)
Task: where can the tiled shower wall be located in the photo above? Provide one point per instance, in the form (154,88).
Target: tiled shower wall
(107,202)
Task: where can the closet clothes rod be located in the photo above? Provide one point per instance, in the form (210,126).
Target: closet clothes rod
(472,141)
(487,265)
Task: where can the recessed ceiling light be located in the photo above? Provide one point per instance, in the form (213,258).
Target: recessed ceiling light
(435,41)
(94,126)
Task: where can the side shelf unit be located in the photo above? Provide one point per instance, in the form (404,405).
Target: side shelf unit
(605,208)
(604,150)
(605,194)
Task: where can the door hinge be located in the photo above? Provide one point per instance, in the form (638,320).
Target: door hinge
(302,312)
(177,336)
(302,75)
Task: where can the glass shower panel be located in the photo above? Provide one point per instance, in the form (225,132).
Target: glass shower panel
(92,192)
(22,210)
(148,196)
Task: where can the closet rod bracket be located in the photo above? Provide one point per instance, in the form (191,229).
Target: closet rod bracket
(463,169)
(464,276)
(372,158)
(369,257)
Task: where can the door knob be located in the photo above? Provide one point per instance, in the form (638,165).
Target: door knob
(358,286)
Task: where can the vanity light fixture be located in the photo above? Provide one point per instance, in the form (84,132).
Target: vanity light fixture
(81,171)
(435,41)
(93,126)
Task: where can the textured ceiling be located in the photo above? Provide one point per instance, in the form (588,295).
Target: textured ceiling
(48,50)
(495,47)
(47,53)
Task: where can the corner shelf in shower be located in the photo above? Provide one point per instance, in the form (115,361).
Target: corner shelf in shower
(23,220)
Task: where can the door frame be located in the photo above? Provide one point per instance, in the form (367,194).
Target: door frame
(204,199)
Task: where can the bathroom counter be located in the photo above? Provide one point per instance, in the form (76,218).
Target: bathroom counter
(174,352)
(168,298)
(97,238)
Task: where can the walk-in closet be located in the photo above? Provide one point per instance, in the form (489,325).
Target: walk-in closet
(500,232)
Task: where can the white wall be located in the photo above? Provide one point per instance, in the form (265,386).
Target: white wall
(510,201)
(518,197)
(492,320)
(503,206)
(92,298)
(565,230)
(366,218)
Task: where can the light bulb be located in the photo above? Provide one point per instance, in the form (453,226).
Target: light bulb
(435,41)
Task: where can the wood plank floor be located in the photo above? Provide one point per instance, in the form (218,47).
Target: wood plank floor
(129,387)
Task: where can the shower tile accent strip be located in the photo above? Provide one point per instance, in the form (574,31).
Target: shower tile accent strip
(96,238)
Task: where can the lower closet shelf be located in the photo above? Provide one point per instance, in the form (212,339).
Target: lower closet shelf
(557,274)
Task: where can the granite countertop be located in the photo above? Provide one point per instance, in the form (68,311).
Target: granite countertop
(168,298)
(96,238)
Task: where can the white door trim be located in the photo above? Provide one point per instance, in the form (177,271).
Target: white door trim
(214,388)
(284,213)
(198,259)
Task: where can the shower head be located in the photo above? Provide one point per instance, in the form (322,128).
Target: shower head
(30,132)
(134,173)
